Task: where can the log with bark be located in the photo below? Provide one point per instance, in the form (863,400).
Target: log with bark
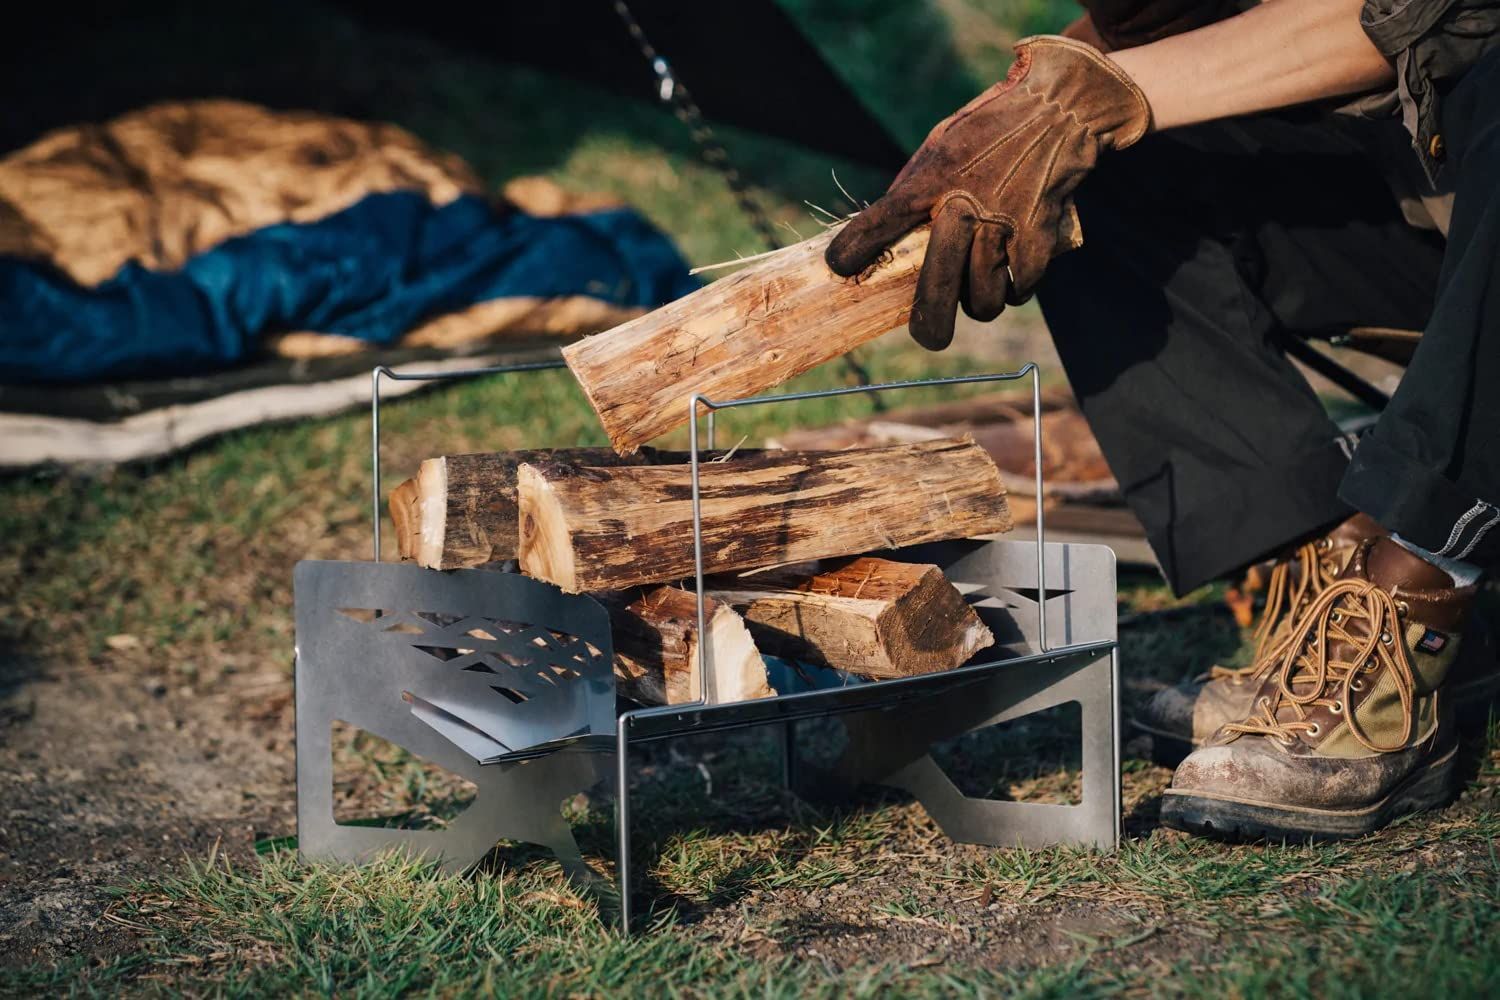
(870,617)
(655,636)
(593,528)
(740,335)
(460,510)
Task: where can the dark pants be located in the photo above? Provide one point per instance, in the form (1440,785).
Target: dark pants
(1205,247)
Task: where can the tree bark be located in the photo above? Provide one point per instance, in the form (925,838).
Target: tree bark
(740,335)
(870,617)
(464,512)
(609,528)
(655,635)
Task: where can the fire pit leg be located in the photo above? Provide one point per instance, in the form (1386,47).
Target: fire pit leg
(378,641)
(622,817)
(892,748)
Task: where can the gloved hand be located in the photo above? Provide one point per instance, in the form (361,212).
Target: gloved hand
(996,181)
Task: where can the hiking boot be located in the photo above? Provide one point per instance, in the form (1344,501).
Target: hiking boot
(1353,725)
(1183,717)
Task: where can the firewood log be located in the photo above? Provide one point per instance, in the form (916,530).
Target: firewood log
(406,515)
(655,636)
(739,335)
(870,617)
(460,510)
(592,528)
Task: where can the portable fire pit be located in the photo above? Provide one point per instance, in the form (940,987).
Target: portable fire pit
(385,647)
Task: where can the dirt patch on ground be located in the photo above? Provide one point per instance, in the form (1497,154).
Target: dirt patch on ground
(106,774)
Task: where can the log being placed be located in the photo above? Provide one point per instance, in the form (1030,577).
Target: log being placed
(870,617)
(655,636)
(609,528)
(739,335)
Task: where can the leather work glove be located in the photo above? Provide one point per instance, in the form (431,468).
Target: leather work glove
(996,181)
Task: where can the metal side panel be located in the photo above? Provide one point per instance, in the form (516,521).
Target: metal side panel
(367,633)
(893,748)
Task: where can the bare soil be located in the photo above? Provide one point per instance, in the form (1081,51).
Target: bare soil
(107,774)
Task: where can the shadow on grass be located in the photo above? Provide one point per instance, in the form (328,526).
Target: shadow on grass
(712,823)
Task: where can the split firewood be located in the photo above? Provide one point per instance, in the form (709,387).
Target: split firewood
(406,516)
(608,528)
(460,510)
(740,335)
(655,636)
(870,617)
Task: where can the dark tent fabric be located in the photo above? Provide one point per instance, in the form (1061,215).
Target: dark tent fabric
(747,63)
(372,271)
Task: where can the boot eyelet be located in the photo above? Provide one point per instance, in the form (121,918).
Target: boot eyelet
(1385,637)
(1337,617)
(1314,729)
(1338,708)
(1402,609)
(1356,685)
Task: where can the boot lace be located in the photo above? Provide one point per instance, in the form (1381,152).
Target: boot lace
(1287,593)
(1304,660)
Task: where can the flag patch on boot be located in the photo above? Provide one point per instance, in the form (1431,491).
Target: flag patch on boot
(1432,641)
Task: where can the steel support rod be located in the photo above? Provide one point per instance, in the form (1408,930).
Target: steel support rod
(432,376)
(1041,525)
(622,816)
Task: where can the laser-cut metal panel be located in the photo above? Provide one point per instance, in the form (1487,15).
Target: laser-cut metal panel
(512,657)
(426,669)
(892,748)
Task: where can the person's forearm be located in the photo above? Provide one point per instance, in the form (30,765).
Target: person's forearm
(1280,53)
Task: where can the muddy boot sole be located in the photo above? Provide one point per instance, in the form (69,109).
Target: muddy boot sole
(1429,787)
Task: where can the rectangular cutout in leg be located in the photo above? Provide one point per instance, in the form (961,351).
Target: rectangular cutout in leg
(1036,758)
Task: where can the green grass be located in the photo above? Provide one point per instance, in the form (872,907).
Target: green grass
(1350,928)
(191,559)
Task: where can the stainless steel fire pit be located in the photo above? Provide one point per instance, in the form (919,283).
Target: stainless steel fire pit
(508,682)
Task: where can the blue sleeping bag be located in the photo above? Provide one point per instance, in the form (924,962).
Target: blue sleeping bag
(373,271)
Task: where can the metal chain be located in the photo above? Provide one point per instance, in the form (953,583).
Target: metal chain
(672,93)
(675,95)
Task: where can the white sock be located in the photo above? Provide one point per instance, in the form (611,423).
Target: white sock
(1464,574)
